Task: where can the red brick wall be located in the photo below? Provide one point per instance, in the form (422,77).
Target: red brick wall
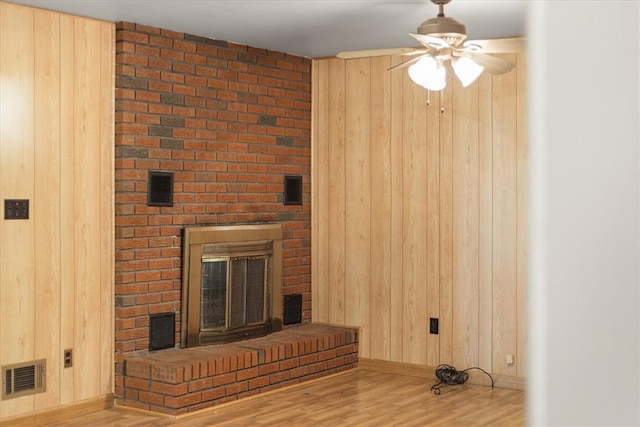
(230,121)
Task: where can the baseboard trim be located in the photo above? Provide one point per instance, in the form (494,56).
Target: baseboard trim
(423,371)
(61,413)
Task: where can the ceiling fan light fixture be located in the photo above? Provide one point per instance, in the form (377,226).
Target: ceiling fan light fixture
(446,28)
(467,70)
(428,73)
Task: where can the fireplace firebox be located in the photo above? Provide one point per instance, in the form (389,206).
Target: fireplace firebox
(232,286)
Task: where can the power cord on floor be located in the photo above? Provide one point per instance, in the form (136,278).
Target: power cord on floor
(448,375)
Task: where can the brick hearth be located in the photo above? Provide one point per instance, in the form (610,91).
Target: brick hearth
(184,380)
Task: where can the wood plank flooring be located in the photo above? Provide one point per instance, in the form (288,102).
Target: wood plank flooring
(353,398)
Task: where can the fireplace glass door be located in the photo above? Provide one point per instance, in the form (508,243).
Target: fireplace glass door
(233,293)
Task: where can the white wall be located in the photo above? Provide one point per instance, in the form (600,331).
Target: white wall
(584,344)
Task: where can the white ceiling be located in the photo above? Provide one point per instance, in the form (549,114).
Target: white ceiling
(311,28)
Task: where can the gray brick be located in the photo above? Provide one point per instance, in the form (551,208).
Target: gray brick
(286,216)
(195,38)
(220,43)
(285,140)
(251,58)
(160,131)
(264,119)
(172,98)
(172,121)
(131,82)
(125,151)
(172,143)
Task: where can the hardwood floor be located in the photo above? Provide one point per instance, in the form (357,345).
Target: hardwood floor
(354,398)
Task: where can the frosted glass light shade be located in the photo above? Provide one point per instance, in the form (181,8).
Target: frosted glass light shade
(467,70)
(428,73)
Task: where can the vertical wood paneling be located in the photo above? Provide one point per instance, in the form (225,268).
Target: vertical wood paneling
(465,224)
(432,193)
(446,222)
(485,222)
(106,147)
(504,221)
(522,197)
(87,216)
(380,232)
(56,149)
(46,209)
(397,197)
(358,198)
(320,190)
(315,194)
(17,166)
(337,148)
(414,222)
(446,212)
(67,218)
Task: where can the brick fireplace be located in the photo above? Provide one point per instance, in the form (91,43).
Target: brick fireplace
(228,122)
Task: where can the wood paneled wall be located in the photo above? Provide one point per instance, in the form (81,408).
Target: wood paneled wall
(56,149)
(419,211)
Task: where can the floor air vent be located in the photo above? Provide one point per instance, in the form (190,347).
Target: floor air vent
(23,379)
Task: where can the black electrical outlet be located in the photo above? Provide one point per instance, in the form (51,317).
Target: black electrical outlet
(16,209)
(433,325)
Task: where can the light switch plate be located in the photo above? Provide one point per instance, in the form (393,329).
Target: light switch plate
(16,209)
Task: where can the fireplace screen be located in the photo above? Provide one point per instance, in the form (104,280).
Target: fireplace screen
(231,283)
(234,293)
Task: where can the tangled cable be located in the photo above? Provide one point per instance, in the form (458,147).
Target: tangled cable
(448,375)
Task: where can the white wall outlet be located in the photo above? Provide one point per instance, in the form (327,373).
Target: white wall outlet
(509,359)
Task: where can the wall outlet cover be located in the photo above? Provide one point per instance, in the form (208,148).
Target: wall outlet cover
(433,326)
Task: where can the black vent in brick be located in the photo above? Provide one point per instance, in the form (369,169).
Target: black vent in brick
(162,329)
(160,188)
(293,189)
(292,309)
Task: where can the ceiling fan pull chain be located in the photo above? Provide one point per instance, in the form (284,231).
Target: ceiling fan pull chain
(428,97)
(441,107)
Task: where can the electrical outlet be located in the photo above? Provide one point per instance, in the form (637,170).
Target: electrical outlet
(16,209)
(68,358)
(509,359)
(433,325)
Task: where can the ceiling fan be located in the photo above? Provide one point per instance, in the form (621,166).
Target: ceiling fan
(444,38)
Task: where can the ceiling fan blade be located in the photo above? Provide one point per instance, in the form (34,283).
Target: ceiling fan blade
(378,52)
(505,45)
(407,63)
(492,64)
(430,41)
